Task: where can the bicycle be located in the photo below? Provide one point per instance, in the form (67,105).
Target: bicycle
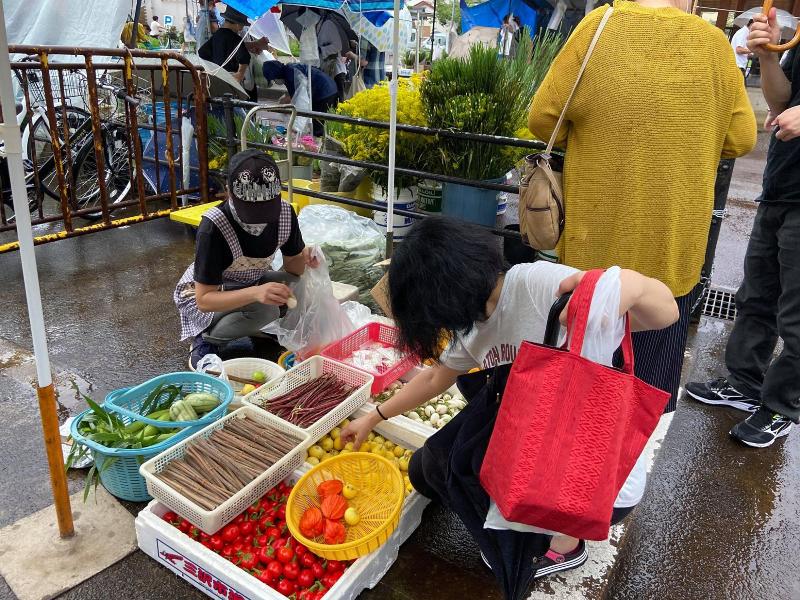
(79,159)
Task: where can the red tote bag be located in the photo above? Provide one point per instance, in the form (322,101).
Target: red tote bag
(568,431)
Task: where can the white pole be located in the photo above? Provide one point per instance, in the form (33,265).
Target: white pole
(393,126)
(9,131)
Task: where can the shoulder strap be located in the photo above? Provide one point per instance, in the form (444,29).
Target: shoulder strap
(596,37)
(218,218)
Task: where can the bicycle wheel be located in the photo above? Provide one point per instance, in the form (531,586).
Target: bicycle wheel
(116,174)
(40,145)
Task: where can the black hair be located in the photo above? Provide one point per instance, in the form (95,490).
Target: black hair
(155,18)
(440,278)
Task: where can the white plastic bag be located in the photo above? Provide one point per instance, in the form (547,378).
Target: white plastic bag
(318,319)
(302,101)
(604,332)
(213,363)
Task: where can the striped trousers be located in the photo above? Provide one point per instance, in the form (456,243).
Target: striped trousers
(659,354)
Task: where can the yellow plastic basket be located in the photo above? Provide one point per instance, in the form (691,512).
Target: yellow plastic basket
(379,502)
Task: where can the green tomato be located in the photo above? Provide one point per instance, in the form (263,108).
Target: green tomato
(259,376)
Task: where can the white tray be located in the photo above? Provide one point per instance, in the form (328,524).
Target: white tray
(311,369)
(213,520)
(218,578)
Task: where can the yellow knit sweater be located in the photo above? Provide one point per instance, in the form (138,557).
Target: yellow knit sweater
(660,102)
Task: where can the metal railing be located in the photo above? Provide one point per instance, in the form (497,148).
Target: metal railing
(87,120)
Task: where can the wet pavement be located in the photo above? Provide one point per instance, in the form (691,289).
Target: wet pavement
(718,521)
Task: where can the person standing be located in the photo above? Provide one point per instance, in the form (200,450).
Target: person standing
(768,301)
(207,22)
(373,64)
(740,49)
(660,102)
(227,49)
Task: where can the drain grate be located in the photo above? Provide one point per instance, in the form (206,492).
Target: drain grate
(719,304)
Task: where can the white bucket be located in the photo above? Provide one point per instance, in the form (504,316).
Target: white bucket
(404,200)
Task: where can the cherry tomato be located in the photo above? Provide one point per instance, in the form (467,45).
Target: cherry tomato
(204,536)
(318,570)
(306,578)
(290,541)
(278,544)
(330,579)
(238,520)
(263,524)
(247,560)
(238,545)
(253,508)
(281,512)
(184,526)
(246,528)
(273,533)
(228,552)
(275,569)
(217,543)
(194,533)
(230,533)
(264,577)
(285,554)
(265,555)
(291,570)
(207,544)
(300,550)
(170,517)
(261,541)
(307,559)
(286,587)
(335,566)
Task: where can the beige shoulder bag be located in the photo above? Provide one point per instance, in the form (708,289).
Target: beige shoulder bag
(541,196)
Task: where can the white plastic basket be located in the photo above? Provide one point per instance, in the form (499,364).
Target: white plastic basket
(311,369)
(245,367)
(211,521)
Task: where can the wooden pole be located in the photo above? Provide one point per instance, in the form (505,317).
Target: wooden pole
(55,459)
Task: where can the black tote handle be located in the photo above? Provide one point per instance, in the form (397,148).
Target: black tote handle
(553,323)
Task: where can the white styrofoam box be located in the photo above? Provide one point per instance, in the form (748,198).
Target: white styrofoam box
(344,291)
(311,369)
(211,521)
(219,579)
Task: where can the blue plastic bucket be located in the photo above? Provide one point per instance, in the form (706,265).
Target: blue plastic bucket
(471,204)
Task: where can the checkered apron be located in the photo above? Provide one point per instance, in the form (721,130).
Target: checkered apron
(243,270)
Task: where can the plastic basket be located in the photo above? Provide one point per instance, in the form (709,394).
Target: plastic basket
(372,332)
(311,369)
(245,367)
(211,521)
(128,401)
(379,502)
(119,467)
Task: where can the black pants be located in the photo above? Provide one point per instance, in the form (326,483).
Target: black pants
(419,472)
(768,304)
(323,105)
(341,81)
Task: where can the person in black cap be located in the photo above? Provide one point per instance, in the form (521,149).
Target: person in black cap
(231,291)
(225,47)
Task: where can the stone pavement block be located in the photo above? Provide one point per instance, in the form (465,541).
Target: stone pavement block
(37,564)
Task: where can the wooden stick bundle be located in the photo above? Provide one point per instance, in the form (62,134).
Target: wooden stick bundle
(214,469)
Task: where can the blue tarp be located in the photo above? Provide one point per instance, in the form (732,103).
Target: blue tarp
(256,8)
(491,13)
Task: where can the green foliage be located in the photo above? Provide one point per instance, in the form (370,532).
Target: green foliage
(445,13)
(489,95)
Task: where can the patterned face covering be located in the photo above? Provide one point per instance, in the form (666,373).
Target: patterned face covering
(249,228)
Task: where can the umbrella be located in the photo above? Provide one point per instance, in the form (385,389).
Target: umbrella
(290,14)
(452,461)
(255,8)
(44,388)
(375,26)
(270,26)
(786,21)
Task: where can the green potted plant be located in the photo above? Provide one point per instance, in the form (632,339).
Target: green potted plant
(488,95)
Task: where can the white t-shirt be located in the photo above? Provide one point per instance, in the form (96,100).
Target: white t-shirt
(528,293)
(155,28)
(740,39)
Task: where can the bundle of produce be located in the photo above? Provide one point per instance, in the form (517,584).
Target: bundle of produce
(214,469)
(331,445)
(309,402)
(258,542)
(436,412)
